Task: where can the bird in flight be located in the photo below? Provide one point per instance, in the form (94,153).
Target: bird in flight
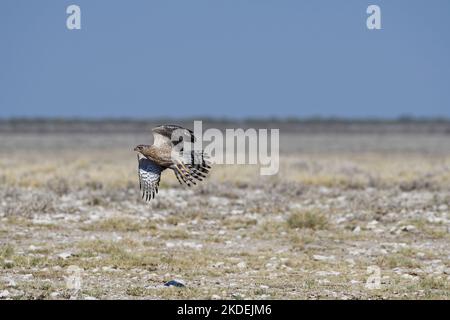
(168,152)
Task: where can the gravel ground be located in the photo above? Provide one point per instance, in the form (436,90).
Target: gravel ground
(347,217)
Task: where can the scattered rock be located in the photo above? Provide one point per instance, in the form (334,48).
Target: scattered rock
(65,255)
(10,283)
(327,273)
(341,220)
(28,276)
(108,269)
(323,258)
(175,283)
(323,281)
(218,264)
(192,245)
(271,265)
(410,277)
(409,228)
(4,294)
(420,254)
(8,263)
(371,225)
(350,261)
(242,265)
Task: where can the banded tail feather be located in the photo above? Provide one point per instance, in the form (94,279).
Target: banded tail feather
(195,167)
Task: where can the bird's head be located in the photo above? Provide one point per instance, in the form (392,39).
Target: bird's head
(140,148)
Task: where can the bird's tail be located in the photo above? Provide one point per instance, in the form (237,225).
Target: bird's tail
(192,166)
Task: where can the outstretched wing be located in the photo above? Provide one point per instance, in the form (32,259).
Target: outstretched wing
(172,135)
(189,166)
(149,177)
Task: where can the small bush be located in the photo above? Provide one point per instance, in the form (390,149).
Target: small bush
(307,220)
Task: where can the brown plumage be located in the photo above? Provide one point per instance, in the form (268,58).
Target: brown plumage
(167,152)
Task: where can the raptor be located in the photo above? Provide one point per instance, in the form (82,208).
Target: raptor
(168,152)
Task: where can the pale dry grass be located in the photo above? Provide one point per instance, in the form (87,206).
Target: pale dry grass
(117,168)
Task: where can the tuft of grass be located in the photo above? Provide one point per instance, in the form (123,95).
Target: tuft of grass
(433,232)
(19,221)
(431,283)
(137,291)
(299,241)
(115,254)
(310,219)
(175,234)
(398,260)
(10,259)
(269,229)
(235,223)
(6,251)
(121,224)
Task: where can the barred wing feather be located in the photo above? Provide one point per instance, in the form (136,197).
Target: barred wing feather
(149,177)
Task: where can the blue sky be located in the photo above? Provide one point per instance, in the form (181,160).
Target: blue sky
(233,58)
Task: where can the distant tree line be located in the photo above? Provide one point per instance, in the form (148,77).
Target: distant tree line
(403,124)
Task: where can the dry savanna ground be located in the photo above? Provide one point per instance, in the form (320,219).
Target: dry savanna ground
(342,210)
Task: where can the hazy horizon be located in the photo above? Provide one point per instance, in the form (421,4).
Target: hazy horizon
(400,118)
